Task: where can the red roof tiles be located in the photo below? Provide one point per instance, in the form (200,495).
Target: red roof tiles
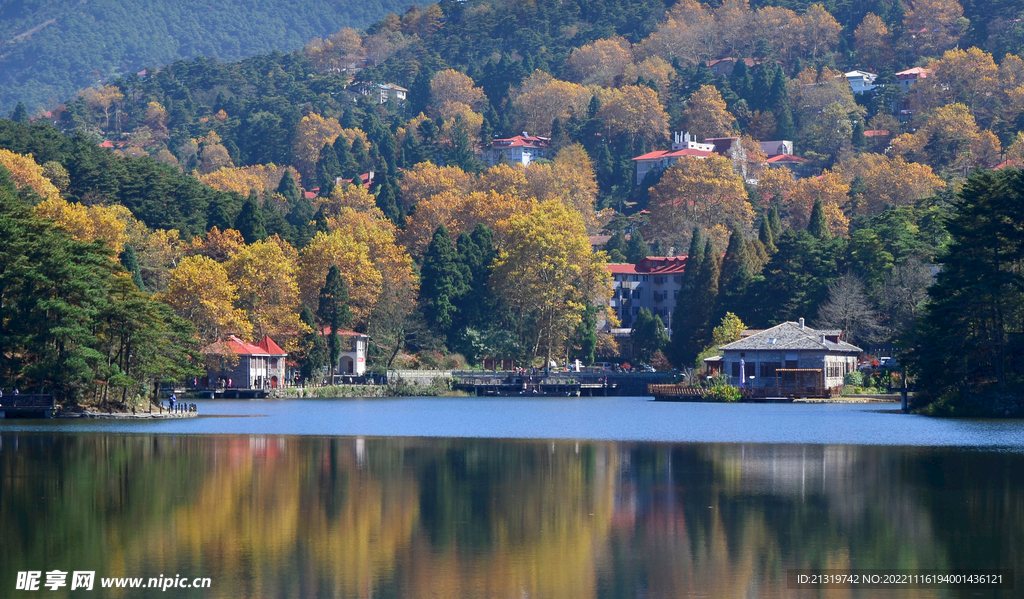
(235,345)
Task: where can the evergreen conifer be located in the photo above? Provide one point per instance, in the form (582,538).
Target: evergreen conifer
(334,311)
(250,222)
(638,248)
(288,187)
(818,224)
(131,264)
(443,280)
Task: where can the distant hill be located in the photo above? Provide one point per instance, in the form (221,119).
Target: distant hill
(50,48)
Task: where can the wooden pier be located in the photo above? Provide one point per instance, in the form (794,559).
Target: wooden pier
(25,405)
(225,393)
(558,384)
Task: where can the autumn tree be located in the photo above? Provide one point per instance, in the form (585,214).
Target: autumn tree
(339,248)
(873,42)
(452,86)
(547,274)
(25,172)
(541,99)
(688,34)
(312,133)
(267,289)
(102,98)
(200,291)
(889,182)
(600,63)
(934,26)
(698,192)
(831,190)
(636,112)
(706,115)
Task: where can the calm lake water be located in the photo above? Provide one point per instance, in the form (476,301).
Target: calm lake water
(559,498)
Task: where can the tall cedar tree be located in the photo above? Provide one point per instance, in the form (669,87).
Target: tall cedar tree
(346,162)
(705,305)
(476,253)
(334,311)
(736,274)
(131,264)
(966,352)
(764,234)
(684,302)
(586,337)
(387,198)
(775,222)
(818,224)
(250,222)
(443,281)
(288,187)
(313,352)
(327,169)
(638,248)
(617,247)
(648,335)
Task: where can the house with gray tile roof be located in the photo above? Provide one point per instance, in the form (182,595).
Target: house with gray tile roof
(789,359)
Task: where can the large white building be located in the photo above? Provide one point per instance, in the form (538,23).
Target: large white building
(522,149)
(662,160)
(861,81)
(651,283)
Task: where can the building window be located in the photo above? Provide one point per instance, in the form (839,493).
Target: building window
(736,369)
(644,278)
(675,294)
(636,294)
(768,369)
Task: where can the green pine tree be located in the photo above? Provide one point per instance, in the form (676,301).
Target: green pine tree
(443,281)
(648,335)
(131,264)
(736,273)
(314,353)
(775,222)
(764,234)
(288,187)
(327,169)
(817,226)
(250,222)
(20,114)
(638,248)
(617,247)
(684,301)
(333,311)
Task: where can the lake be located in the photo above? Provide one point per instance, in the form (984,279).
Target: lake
(509,497)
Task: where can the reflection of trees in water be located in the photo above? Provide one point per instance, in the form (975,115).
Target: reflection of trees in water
(275,516)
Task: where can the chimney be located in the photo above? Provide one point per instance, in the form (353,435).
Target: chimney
(801,323)
(823,340)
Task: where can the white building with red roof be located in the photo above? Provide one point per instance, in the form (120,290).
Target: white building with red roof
(521,149)
(662,160)
(236,364)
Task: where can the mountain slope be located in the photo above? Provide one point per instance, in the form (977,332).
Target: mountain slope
(50,48)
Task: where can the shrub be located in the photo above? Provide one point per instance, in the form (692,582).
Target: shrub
(722,393)
(855,378)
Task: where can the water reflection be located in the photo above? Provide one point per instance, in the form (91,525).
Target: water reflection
(352,517)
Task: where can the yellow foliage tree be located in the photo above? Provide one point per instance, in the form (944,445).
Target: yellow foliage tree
(833,191)
(352,258)
(89,223)
(268,292)
(102,98)
(25,172)
(216,245)
(541,99)
(200,291)
(933,26)
(698,192)
(356,197)
(969,77)
(242,179)
(452,86)
(570,179)
(458,212)
(312,133)
(600,63)
(548,274)
(636,111)
(706,115)
(687,33)
(427,179)
(890,182)
(873,41)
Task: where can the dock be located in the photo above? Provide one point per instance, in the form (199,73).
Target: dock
(226,393)
(26,405)
(558,384)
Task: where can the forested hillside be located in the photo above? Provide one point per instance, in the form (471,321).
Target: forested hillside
(216,179)
(50,48)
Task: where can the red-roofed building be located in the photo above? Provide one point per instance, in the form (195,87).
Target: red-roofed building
(724,66)
(651,283)
(798,165)
(237,364)
(909,77)
(521,149)
(683,145)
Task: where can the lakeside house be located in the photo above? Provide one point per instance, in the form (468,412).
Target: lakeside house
(237,364)
(522,149)
(352,361)
(789,358)
(653,283)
